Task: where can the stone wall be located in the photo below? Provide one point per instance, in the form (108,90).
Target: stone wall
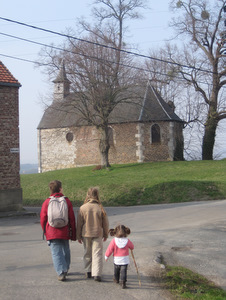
(156,151)
(54,151)
(123,146)
(10,190)
(129,142)
(87,152)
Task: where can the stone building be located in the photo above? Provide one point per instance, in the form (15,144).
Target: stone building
(10,189)
(144,129)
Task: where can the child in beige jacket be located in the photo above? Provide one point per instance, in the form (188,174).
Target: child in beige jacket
(92,230)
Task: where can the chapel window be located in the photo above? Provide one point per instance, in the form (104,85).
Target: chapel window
(69,137)
(155,134)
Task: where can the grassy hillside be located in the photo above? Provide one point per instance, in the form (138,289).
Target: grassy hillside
(134,184)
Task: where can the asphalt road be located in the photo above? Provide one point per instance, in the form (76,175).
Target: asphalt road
(188,234)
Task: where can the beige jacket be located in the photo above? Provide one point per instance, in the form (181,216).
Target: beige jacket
(91,221)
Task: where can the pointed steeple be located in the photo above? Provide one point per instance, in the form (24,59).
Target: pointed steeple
(62,84)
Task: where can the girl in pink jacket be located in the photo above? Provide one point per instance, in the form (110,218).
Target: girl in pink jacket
(120,246)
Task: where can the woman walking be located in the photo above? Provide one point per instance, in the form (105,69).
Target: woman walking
(92,230)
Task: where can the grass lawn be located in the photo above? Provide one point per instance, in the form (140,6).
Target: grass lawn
(184,284)
(134,184)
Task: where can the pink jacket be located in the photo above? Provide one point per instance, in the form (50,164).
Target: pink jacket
(119,247)
(64,233)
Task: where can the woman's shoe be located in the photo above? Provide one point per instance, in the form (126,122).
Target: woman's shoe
(97,278)
(61,277)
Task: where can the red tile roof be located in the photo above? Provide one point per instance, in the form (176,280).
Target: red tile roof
(6,77)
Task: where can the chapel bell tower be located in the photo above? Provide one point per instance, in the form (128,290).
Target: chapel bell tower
(61,84)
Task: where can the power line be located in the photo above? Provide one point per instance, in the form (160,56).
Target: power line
(104,46)
(82,54)
(22,59)
(147,70)
(89,57)
(73,52)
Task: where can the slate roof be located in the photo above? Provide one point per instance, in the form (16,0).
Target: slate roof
(6,78)
(143,104)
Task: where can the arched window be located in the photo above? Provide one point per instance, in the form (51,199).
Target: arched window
(155,134)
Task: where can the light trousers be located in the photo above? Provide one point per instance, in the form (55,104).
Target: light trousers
(93,255)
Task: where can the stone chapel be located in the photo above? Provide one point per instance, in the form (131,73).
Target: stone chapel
(143,130)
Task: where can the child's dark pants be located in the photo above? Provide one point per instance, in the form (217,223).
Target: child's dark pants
(123,270)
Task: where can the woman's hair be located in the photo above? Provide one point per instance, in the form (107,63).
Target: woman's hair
(120,231)
(93,194)
(55,186)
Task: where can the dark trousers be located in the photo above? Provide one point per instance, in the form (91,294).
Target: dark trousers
(120,269)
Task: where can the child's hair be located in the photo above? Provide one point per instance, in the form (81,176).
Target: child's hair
(93,194)
(120,231)
(55,186)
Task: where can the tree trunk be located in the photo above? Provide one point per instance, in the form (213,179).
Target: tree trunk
(209,137)
(104,147)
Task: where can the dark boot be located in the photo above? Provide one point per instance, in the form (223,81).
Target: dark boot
(88,275)
(123,284)
(97,278)
(115,280)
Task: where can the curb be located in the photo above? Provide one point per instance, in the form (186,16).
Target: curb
(21,213)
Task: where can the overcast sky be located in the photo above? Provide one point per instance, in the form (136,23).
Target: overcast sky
(150,32)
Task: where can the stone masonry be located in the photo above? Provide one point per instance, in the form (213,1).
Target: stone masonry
(131,142)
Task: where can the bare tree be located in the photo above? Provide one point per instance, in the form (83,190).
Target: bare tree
(165,77)
(100,72)
(201,63)
(98,82)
